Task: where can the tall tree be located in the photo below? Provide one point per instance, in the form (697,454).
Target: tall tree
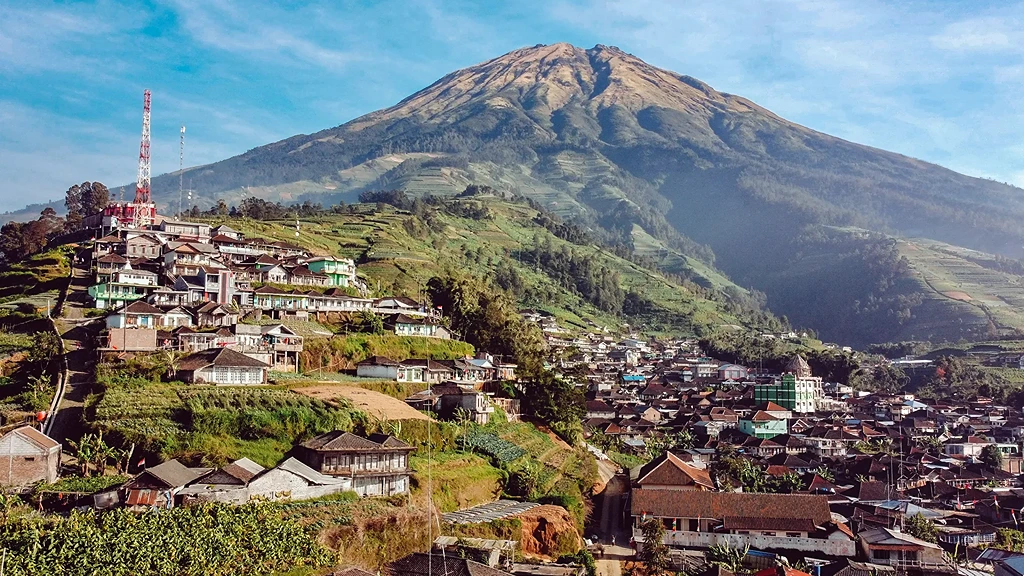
(920,527)
(95,197)
(73,202)
(12,241)
(992,457)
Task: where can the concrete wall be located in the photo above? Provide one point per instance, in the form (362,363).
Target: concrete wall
(280,484)
(383,372)
(132,338)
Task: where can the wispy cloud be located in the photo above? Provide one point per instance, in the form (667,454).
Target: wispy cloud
(979,35)
(245,29)
(38,39)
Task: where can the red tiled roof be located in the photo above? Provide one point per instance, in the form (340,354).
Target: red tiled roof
(722,505)
(669,470)
(762,416)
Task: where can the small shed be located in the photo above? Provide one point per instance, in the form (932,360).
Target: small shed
(28,456)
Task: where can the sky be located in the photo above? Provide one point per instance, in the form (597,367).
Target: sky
(937,80)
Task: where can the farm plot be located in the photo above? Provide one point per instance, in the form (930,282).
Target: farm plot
(490,445)
(373,403)
(216,425)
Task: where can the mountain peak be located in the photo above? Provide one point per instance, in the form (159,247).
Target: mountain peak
(547,77)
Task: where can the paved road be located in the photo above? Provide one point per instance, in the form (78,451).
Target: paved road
(78,333)
(613,500)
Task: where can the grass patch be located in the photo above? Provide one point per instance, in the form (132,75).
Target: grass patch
(344,352)
(459,480)
(84,485)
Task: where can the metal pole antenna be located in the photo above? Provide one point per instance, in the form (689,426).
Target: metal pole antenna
(181,169)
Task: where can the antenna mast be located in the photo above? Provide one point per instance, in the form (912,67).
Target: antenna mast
(144,208)
(181,169)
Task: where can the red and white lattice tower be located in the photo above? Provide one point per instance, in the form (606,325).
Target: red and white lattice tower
(144,210)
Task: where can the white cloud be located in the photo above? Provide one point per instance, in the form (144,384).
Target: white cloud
(978,35)
(245,29)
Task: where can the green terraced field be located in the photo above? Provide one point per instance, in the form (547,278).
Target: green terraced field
(967,286)
(399,262)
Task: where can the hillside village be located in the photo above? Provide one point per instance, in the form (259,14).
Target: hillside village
(711,459)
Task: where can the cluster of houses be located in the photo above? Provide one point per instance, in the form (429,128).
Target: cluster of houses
(858,465)
(198,289)
(374,465)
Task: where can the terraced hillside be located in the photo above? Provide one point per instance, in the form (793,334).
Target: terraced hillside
(864,287)
(398,252)
(985,291)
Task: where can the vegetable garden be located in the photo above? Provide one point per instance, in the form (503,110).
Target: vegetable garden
(208,540)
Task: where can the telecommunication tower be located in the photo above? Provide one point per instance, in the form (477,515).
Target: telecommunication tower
(145,210)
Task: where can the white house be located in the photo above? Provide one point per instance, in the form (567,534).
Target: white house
(222,366)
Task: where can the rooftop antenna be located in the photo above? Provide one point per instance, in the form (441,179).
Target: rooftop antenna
(296,227)
(181,169)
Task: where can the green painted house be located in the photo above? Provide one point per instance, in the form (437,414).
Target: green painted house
(125,286)
(341,271)
(763,425)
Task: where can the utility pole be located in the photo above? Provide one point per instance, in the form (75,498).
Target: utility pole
(181,169)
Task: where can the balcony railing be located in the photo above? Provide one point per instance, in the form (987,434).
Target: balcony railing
(349,471)
(283,347)
(686,539)
(913,563)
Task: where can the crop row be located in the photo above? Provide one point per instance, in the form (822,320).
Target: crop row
(490,445)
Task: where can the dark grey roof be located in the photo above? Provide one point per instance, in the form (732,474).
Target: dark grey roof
(174,473)
(339,440)
(218,357)
(425,564)
(140,307)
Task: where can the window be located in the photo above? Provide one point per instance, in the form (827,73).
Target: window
(880,554)
(30,458)
(792,534)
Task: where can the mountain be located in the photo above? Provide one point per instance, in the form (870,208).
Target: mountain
(661,162)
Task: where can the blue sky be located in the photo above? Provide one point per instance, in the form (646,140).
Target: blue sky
(940,81)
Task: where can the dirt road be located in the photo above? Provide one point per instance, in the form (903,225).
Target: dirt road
(609,568)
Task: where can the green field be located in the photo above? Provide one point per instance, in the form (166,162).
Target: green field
(343,352)
(31,285)
(968,286)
